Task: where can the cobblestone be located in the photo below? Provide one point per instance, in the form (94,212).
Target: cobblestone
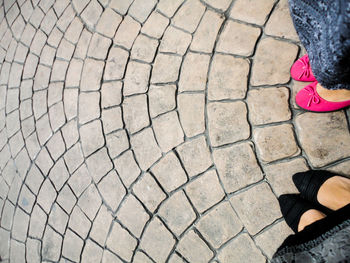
(219,225)
(253,202)
(79,222)
(275,142)
(175,41)
(280,23)
(72,246)
(112,190)
(280,175)
(135,113)
(161,99)
(278,230)
(205,191)
(58,219)
(254,11)
(147,190)
(155,25)
(238,39)
(194,71)
(227,122)
(144,48)
(152,131)
(227,78)
(268,68)
(195,156)
(189,15)
(132,215)
(136,78)
(108,23)
(262,113)
(334,132)
(237,166)
(168,131)
(146,148)
(177,213)
(141,10)
(191,112)
(121,242)
(241,249)
(116,63)
(127,168)
(127,32)
(101,226)
(165,69)
(194,249)
(157,241)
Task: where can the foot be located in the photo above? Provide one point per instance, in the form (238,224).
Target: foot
(333,95)
(309,217)
(334,193)
(301,70)
(298,212)
(309,99)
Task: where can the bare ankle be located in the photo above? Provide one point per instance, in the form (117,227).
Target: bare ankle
(333,95)
(335,193)
(309,217)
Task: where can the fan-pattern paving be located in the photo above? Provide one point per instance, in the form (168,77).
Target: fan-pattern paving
(152,131)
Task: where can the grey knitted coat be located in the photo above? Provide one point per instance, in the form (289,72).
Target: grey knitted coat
(323,27)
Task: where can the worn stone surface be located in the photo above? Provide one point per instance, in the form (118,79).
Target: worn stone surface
(147,190)
(169,172)
(121,242)
(251,207)
(227,122)
(195,156)
(237,166)
(275,142)
(219,225)
(228,78)
(241,249)
(272,67)
(280,23)
(161,99)
(146,148)
(135,113)
(168,131)
(144,48)
(177,213)
(238,39)
(157,241)
(205,191)
(207,31)
(318,135)
(194,249)
(133,215)
(191,112)
(193,75)
(152,131)
(277,231)
(261,112)
(189,15)
(165,69)
(175,41)
(279,175)
(252,11)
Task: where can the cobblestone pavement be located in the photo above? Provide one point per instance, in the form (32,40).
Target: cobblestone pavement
(152,131)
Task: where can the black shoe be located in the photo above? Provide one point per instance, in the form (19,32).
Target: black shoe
(308,184)
(292,208)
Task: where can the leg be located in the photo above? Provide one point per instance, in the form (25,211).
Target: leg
(335,192)
(333,95)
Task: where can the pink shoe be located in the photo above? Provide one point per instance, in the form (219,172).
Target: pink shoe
(301,70)
(308,99)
